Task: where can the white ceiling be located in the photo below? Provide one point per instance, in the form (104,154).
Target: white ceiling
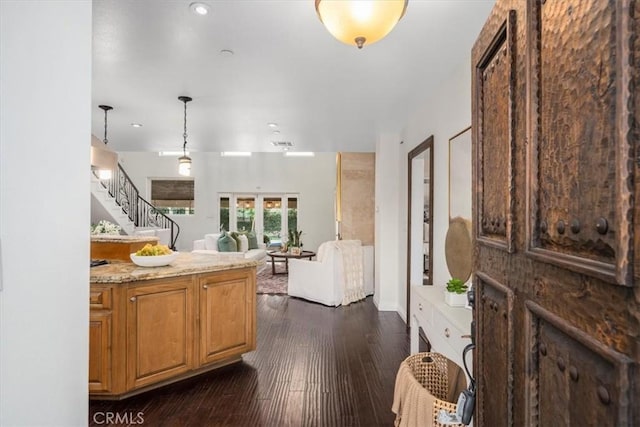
(286,68)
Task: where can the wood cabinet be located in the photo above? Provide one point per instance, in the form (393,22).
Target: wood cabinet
(160,330)
(227,322)
(152,332)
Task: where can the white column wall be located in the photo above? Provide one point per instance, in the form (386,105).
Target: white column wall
(388,243)
(45,117)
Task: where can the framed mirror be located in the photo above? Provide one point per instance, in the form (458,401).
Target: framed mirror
(420,217)
(460,194)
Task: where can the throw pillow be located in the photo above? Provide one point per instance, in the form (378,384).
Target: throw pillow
(244,243)
(236,237)
(253,240)
(211,241)
(226,243)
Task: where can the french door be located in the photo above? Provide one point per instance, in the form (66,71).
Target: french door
(270,215)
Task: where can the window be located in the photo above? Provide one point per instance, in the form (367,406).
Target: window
(173,196)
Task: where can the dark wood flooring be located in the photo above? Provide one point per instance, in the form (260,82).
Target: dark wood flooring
(314,366)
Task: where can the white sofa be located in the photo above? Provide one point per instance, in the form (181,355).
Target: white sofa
(209,245)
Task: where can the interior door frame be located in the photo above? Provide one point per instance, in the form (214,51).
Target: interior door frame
(425,145)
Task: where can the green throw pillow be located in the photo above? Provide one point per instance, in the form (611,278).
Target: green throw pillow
(236,237)
(253,240)
(226,243)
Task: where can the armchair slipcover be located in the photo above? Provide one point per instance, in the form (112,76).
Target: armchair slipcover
(339,275)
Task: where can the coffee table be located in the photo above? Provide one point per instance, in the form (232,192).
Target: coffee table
(277,255)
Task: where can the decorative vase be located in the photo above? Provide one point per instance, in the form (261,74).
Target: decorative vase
(455,300)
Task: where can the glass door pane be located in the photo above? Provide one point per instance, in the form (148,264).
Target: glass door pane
(224,213)
(292,213)
(245,213)
(272,220)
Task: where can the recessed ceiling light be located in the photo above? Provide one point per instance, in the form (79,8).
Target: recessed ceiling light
(199,8)
(276,132)
(272,125)
(136,125)
(227,53)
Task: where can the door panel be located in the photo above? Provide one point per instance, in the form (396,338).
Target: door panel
(567,367)
(494,97)
(495,356)
(555,129)
(580,144)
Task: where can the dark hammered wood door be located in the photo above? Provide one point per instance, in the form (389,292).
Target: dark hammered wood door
(555,130)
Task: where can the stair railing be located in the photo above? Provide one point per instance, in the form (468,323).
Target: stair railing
(140,212)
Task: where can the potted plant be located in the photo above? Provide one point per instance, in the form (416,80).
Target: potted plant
(294,241)
(456,293)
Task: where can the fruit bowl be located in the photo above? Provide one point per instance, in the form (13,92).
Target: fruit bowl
(153,260)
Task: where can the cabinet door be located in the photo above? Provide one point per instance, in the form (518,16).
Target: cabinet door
(99,351)
(160,328)
(227,314)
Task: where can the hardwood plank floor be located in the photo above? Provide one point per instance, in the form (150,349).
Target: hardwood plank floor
(314,366)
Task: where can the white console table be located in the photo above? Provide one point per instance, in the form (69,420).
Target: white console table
(447,328)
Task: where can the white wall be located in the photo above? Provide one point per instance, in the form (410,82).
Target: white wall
(45,116)
(443,114)
(313,178)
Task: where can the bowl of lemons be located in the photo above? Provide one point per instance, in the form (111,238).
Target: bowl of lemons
(153,256)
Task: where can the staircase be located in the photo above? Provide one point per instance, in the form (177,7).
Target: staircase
(120,200)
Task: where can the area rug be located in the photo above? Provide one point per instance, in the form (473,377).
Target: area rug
(270,284)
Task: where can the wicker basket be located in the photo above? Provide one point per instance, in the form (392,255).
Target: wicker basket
(433,370)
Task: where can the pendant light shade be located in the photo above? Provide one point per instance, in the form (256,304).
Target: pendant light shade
(184,161)
(356,22)
(103,160)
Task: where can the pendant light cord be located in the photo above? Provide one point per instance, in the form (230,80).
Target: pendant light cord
(184,135)
(105,140)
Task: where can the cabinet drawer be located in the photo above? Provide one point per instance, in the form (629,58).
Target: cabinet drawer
(449,334)
(100,298)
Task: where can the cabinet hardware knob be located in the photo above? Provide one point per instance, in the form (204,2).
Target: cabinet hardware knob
(466,336)
(205,287)
(447,333)
(132,299)
(602,225)
(420,306)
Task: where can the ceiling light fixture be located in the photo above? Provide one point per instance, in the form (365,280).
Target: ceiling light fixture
(184,161)
(136,125)
(356,22)
(172,153)
(299,153)
(103,160)
(199,8)
(235,153)
(272,125)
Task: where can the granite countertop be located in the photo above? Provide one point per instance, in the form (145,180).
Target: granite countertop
(185,264)
(118,238)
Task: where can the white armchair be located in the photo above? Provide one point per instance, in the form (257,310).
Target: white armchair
(323,280)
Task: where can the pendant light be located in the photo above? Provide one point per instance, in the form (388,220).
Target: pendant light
(103,160)
(356,22)
(184,161)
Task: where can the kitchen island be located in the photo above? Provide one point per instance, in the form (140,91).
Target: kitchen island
(154,326)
